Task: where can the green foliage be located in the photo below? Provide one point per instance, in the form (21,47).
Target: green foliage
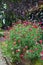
(1,35)
(15,1)
(0,23)
(38,62)
(24,42)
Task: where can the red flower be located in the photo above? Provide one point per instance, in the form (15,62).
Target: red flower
(5,37)
(21,55)
(35,26)
(18,50)
(40,41)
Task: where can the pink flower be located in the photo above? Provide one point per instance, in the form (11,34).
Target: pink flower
(30,29)
(40,23)
(42,27)
(26,47)
(31,51)
(40,41)
(24,24)
(41,54)
(36,43)
(29,23)
(5,37)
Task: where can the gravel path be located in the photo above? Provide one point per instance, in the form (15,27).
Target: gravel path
(2,60)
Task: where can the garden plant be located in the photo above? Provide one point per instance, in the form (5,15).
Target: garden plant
(24,44)
(21,31)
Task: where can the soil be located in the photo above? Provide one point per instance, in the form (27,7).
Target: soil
(18,63)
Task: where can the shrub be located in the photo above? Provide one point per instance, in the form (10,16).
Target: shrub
(25,42)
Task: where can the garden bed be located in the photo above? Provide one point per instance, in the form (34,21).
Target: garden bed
(24,44)
(36,62)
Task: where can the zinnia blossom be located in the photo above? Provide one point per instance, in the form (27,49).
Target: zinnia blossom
(31,51)
(35,26)
(36,43)
(18,50)
(21,55)
(26,47)
(41,54)
(24,24)
(40,23)
(40,41)
(5,37)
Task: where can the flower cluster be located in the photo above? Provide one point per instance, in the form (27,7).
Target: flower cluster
(25,42)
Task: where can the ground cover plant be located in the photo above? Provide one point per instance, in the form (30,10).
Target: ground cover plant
(25,42)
